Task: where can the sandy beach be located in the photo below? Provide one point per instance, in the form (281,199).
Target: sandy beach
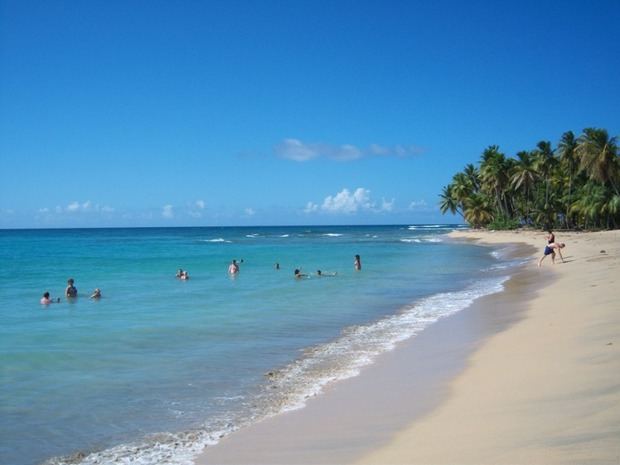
(529,375)
(548,389)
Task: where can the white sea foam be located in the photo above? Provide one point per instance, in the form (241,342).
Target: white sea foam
(427,226)
(419,240)
(359,346)
(290,387)
(332,235)
(216,240)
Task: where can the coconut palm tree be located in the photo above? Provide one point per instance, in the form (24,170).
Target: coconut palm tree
(576,185)
(494,176)
(567,151)
(448,202)
(473,175)
(590,204)
(478,210)
(598,156)
(523,178)
(545,164)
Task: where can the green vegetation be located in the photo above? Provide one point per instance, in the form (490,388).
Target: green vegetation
(575,185)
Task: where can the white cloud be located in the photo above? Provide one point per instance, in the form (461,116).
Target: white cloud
(73,207)
(417,205)
(76,206)
(311,207)
(196,209)
(296,150)
(347,202)
(167,211)
(387,206)
(250,212)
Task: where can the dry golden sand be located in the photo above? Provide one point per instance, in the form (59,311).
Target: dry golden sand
(545,391)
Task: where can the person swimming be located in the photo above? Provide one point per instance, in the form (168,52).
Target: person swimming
(357,264)
(299,275)
(71,290)
(46,300)
(327,274)
(233,268)
(96,294)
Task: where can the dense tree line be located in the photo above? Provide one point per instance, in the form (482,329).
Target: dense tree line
(575,185)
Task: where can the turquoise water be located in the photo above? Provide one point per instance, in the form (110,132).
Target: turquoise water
(158,367)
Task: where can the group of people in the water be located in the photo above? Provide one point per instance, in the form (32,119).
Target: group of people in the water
(71,292)
(234,267)
(551,248)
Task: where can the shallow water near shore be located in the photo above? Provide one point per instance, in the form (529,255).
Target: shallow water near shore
(159,368)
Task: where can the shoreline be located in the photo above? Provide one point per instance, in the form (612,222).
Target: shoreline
(355,418)
(548,389)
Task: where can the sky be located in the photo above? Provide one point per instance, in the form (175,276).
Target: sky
(226,113)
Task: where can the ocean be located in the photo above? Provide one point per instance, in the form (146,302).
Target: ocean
(158,367)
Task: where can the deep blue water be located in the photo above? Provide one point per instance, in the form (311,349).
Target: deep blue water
(172,365)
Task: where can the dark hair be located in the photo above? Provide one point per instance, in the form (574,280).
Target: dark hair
(46,295)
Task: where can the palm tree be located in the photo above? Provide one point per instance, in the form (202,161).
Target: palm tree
(567,150)
(598,155)
(612,208)
(576,185)
(494,176)
(448,202)
(524,178)
(590,204)
(545,163)
(473,175)
(478,211)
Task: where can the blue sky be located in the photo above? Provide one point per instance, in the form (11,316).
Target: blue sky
(192,113)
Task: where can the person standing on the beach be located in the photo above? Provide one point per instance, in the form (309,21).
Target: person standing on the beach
(550,250)
(71,290)
(550,237)
(233,268)
(357,263)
